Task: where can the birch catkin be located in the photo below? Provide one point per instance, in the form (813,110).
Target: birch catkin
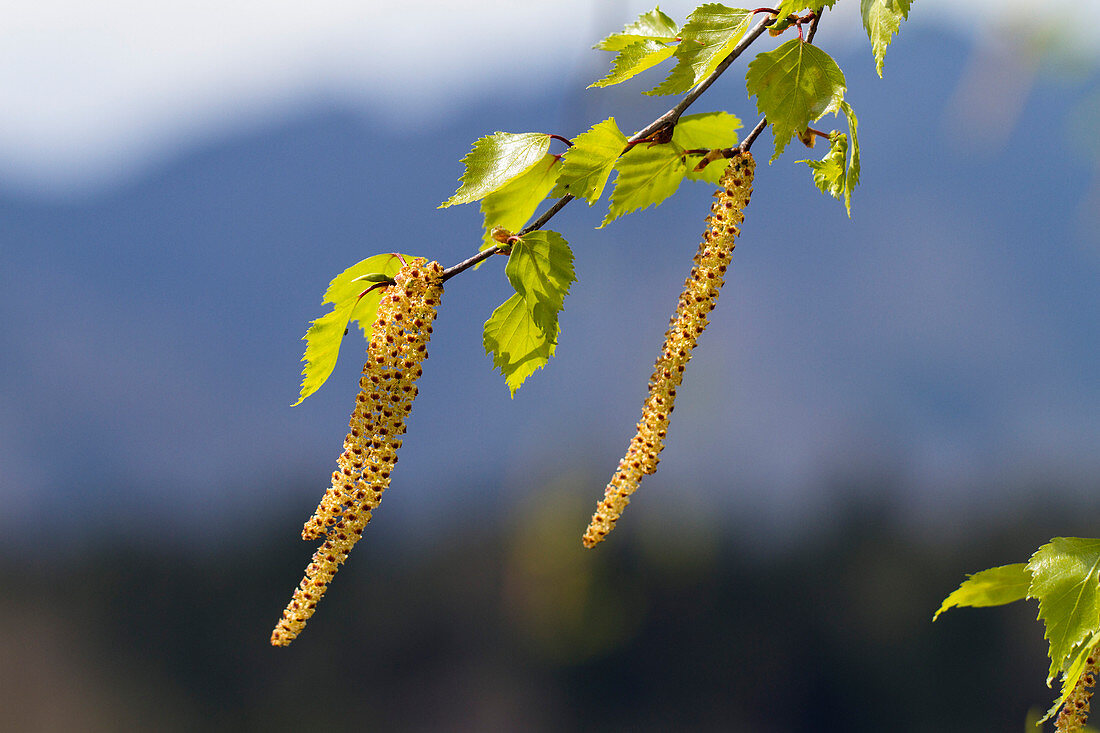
(699,296)
(398,345)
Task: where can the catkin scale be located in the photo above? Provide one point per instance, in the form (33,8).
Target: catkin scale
(687,323)
(398,345)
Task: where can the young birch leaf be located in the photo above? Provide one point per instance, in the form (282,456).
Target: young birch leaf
(708,130)
(512,205)
(1072,674)
(829,172)
(495,160)
(882,19)
(587,165)
(794,7)
(634,59)
(1064,579)
(647,175)
(540,268)
(708,37)
(327,332)
(653,25)
(517,343)
(992,587)
(794,84)
(851,174)
(837,174)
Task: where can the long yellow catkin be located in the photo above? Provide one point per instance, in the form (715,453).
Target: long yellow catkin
(1075,712)
(699,296)
(398,345)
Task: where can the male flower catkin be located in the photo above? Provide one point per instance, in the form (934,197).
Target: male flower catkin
(398,345)
(698,298)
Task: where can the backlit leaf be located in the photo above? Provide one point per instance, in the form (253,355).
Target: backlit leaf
(1065,581)
(795,7)
(837,174)
(647,175)
(992,587)
(882,19)
(706,39)
(540,268)
(587,165)
(1072,674)
(326,333)
(830,171)
(634,59)
(851,177)
(652,25)
(517,343)
(708,130)
(495,160)
(515,203)
(794,85)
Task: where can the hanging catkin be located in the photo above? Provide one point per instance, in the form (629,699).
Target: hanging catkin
(699,296)
(398,345)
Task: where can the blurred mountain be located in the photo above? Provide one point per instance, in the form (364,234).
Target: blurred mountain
(945,335)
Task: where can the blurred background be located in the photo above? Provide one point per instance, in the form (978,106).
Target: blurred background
(879,406)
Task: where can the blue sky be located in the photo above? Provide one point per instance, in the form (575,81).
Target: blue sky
(178,191)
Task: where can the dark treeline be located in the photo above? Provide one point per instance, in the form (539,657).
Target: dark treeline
(518,628)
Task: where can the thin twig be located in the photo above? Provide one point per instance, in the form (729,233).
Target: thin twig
(470,262)
(813,28)
(541,221)
(751,137)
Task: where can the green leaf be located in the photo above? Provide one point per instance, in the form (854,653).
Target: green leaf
(882,19)
(795,7)
(495,160)
(1072,674)
(794,84)
(514,204)
(634,59)
(522,333)
(652,25)
(647,175)
(1064,580)
(587,165)
(830,171)
(540,268)
(708,37)
(992,587)
(517,343)
(851,177)
(327,332)
(708,130)
(837,174)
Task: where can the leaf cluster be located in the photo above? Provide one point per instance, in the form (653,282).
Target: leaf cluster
(513,173)
(1064,577)
(794,85)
